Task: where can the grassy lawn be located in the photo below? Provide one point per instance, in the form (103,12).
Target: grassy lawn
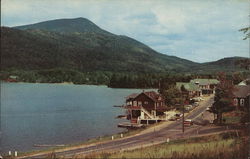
(210,147)
(233,117)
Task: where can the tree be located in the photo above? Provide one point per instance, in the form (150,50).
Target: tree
(173,96)
(223,100)
(246,31)
(237,77)
(245,63)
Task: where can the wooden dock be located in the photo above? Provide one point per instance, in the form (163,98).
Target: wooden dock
(129,125)
(121,117)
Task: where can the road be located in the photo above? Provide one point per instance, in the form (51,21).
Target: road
(155,135)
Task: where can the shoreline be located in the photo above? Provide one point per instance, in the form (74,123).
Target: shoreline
(104,139)
(94,141)
(101,139)
(71,83)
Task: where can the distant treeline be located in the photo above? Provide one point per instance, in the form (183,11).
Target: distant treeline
(111,79)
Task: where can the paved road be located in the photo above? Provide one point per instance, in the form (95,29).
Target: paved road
(156,136)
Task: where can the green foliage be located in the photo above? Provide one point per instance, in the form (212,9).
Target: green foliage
(223,100)
(173,96)
(78,44)
(238,77)
(59,75)
(246,31)
(84,51)
(243,63)
(78,51)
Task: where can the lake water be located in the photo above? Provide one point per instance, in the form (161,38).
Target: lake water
(57,113)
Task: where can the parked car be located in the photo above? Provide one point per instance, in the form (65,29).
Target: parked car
(196,104)
(208,108)
(188,122)
(188,107)
(178,116)
(173,118)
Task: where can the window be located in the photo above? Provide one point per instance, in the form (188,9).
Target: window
(242,102)
(153,112)
(139,103)
(235,102)
(145,102)
(134,103)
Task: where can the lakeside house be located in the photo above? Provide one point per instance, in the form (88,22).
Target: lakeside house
(245,82)
(149,107)
(192,89)
(145,107)
(207,86)
(12,78)
(241,96)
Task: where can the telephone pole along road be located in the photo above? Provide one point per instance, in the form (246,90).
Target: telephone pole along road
(151,136)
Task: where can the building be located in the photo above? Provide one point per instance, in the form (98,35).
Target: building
(12,78)
(245,82)
(192,89)
(145,107)
(241,96)
(207,86)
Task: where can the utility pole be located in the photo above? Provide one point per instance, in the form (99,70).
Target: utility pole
(183,111)
(183,117)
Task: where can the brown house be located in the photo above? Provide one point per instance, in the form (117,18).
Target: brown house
(242,96)
(145,107)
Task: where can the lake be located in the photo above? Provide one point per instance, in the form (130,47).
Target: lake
(57,113)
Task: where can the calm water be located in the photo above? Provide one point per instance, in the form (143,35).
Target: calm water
(57,114)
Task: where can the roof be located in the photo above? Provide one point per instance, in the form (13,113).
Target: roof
(13,76)
(155,96)
(205,81)
(131,96)
(241,91)
(244,82)
(188,86)
(151,94)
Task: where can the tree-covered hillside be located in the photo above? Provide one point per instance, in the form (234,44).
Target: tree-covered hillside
(77,50)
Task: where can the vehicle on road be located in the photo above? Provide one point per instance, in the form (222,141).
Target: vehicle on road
(188,122)
(172,118)
(195,104)
(188,107)
(208,108)
(178,116)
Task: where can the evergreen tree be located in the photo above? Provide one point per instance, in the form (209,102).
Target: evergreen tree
(223,100)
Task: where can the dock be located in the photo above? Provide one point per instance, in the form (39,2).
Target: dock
(121,117)
(119,106)
(129,125)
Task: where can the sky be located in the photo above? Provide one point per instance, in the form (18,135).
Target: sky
(196,30)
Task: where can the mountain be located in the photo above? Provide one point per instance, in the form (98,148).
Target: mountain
(66,26)
(226,64)
(79,44)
